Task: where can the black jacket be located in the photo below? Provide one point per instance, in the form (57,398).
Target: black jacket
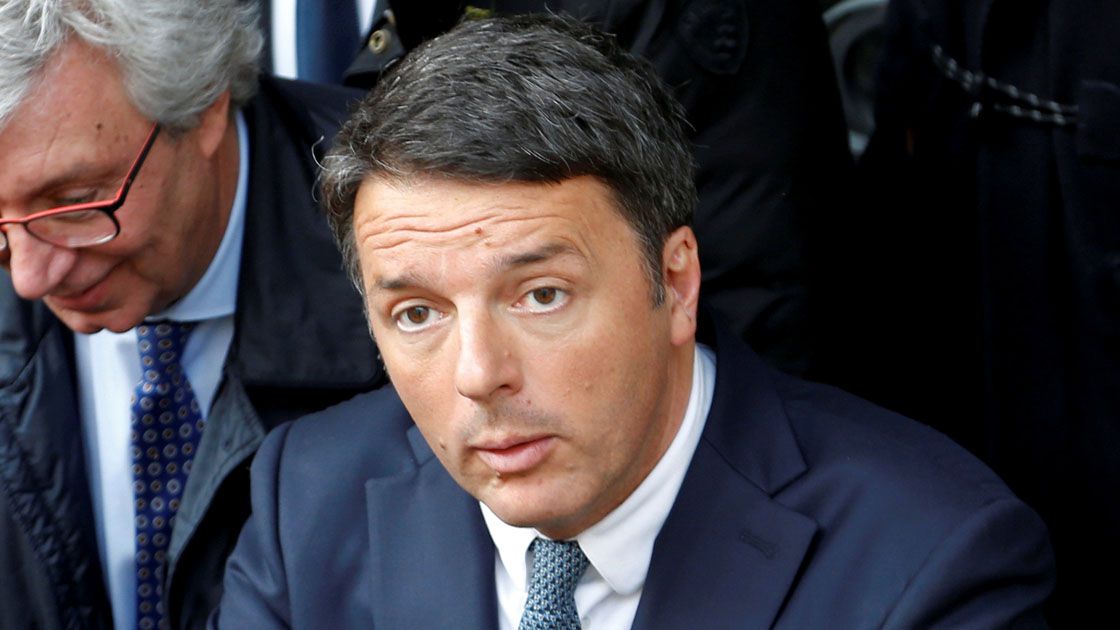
(300,344)
(993,235)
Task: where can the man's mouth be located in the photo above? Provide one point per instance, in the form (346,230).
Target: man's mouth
(88,299)
(511,456)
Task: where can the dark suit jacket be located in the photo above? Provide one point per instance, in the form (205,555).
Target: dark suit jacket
(803,507)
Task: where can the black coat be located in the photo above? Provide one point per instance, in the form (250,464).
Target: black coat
(992,235)
(300,344)
(768,133)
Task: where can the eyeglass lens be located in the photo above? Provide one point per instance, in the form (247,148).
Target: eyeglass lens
(80,228)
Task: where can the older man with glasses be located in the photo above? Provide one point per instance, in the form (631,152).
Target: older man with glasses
(173,293)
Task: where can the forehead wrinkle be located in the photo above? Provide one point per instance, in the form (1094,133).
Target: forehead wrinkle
(400,229)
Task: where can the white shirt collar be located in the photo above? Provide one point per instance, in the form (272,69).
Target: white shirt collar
(215,294)
(620,546)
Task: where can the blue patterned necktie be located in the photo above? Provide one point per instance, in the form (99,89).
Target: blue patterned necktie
(166,427)
(557,567)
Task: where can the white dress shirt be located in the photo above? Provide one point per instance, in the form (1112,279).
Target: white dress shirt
(283,32)
(108,367)
(619,547)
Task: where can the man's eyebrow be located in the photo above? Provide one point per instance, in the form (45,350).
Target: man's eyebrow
(397,283)
(78,173)
(538,255)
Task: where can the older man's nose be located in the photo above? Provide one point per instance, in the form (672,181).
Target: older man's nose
(36,267)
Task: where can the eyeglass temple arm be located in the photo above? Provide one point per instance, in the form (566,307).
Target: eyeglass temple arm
(132,171)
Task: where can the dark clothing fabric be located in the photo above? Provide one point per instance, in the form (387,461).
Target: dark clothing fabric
(757,83)
(300,344)
(803,507)
(992,246)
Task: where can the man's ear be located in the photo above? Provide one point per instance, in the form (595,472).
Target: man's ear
(212,125)
(680,266)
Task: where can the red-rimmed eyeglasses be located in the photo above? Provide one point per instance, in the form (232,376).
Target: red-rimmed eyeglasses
(81,224)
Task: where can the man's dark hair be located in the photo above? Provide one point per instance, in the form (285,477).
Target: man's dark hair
(532,98)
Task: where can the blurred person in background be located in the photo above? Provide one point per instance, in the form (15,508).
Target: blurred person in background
(990,253)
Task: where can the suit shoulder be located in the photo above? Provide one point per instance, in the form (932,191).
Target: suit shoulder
(849,442)
(355,440)
(924,533)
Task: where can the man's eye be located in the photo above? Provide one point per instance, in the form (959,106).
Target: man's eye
(415,318)
(76,217)
(544,296)
(544,299)
(74,198)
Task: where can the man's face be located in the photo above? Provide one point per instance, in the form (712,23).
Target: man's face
(517,324)
(72,139)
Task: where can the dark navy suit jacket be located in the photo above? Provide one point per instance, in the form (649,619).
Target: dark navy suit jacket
(803,507)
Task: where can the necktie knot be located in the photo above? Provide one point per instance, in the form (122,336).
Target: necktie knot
(162,342)
(557,568)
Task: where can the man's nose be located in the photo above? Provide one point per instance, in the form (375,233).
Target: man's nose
(488,364)
(36,267)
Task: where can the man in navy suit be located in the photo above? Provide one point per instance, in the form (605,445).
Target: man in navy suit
(558,449)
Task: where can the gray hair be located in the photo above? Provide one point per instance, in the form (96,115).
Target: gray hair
(532,98)
(176,56)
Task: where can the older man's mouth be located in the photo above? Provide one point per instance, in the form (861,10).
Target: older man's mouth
(88,299)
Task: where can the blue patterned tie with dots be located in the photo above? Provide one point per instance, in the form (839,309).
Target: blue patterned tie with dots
(557,567)
(166,427)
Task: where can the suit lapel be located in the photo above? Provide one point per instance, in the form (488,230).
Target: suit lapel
(728,553)
(432,560)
